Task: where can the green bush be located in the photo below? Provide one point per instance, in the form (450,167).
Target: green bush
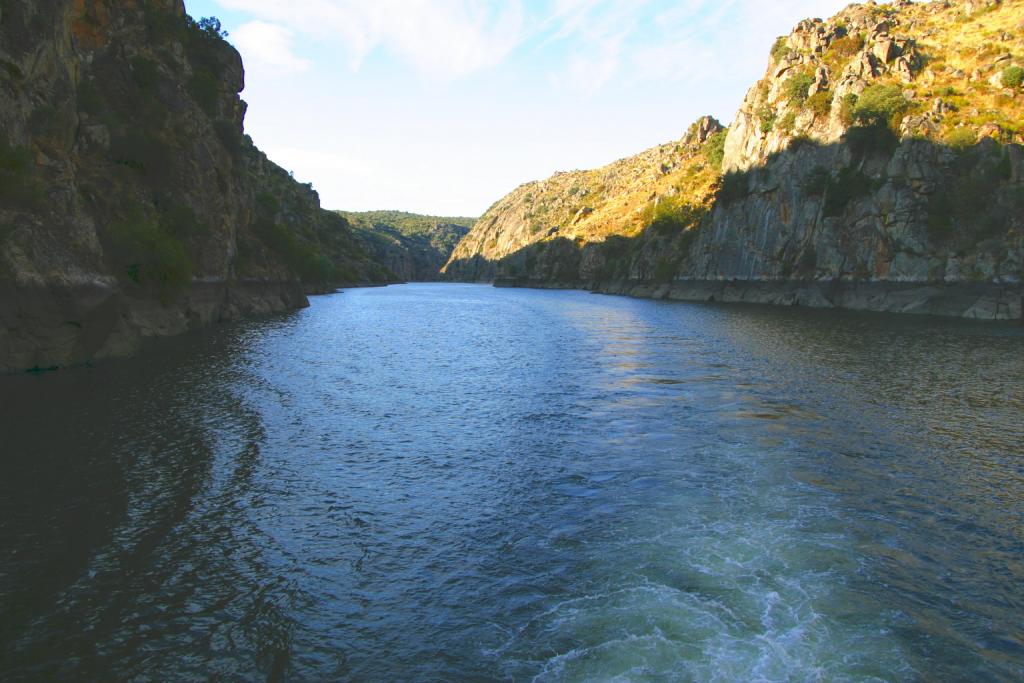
(848,185)
(1013,77)
(615,247)
(180,220)
(89,99)
(714,148)
(665,269)
(767,116)
(881,104)
(795,89)
(671,216)
(146,254)
(205,90)
(780,49)
(873,139)
(735,186)
(820,103)
(846,109)
(305,260)
(847,46)
(788,121)
(211,27)
(19,186)
(142,151)
(146,74)
(267,205)
(961,138)
(817,181)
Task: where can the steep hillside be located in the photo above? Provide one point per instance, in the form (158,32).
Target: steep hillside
(876,165)
(412,246)
(131,202)
(580,208)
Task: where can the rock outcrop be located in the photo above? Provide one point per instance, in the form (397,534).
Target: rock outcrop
(880,154)
(131,202)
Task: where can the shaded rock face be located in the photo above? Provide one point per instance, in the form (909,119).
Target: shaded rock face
(867,160)
(131,202)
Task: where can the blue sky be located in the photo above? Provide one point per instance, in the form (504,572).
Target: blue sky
(444,106)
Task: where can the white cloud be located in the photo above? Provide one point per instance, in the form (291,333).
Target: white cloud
(442,39)
(268,46)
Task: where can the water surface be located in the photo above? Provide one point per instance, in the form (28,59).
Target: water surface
(454,482)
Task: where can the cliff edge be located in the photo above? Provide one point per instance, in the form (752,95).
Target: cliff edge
(132,204)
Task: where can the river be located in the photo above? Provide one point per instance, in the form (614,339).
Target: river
(445,482)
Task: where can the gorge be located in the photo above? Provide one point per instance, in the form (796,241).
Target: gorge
(248,437)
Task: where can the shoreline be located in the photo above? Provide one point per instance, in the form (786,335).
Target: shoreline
(44,328)
(994,302)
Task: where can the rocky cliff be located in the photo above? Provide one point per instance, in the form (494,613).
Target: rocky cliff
(131,202)
(877,164)
(413,246)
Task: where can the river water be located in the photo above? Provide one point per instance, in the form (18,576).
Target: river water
(461,483)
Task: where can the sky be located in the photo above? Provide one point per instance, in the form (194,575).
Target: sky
(444,106)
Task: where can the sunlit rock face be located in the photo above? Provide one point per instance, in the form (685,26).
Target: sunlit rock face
(882,145)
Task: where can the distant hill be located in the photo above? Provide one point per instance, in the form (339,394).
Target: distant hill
(413,246)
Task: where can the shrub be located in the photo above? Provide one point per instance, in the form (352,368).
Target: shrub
(780,49)
(671,216)
(665,269)
(881,104)
(1013,77)
(205,90)
(848,185)
(816,182)
(767,116)
(820,103)
(876,138)
(267,205)
(788,121)
(847,46)
(795,89)
(179,220)
(846,109)
(146,254)
(615,247)
(142,151)
(211,27)
(735,186)
(146,74)
(18,184)
(89,99)
(305,260)
(714,149)
(961,138)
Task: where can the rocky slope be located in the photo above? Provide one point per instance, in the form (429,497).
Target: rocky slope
(131,202)
(412,246)
(878,164)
